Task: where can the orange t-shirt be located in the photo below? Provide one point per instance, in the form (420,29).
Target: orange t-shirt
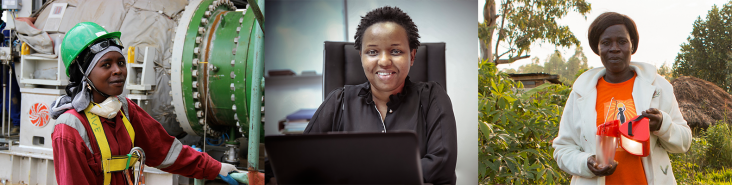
(615,102)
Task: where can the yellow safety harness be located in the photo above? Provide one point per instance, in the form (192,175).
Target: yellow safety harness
(110,163)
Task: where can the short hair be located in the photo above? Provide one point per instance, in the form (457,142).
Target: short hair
(606,20)
(388,14)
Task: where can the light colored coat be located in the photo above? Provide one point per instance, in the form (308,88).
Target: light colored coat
(577,130)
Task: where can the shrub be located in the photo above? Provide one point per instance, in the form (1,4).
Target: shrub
(719,137)
(687,166)
(709,158)
(516,129)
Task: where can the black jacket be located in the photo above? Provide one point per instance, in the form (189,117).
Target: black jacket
(422,107)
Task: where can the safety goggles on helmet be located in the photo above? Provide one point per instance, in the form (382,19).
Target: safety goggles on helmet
(104,44)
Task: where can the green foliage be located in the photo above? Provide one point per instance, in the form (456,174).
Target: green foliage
(666,72)
(717,177)
(709,159)
(516,129)
(687,166)
(575,63)
(707,54)
(534,67)
(523,22)
(555,64)
(719,137)
(580,72)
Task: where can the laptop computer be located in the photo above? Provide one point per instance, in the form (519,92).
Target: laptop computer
(345,158)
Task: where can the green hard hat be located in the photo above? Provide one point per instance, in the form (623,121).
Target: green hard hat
(79,38)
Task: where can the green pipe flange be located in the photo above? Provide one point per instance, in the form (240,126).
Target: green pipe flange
(247,37)
(187,60)
(215,57)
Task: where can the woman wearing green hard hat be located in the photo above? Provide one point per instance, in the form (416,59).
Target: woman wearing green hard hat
(96,127)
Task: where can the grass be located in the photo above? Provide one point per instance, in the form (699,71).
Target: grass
(709,160)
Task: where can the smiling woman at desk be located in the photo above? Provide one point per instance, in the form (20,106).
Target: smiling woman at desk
(387,41)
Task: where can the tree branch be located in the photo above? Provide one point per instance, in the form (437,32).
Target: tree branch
(511,60)
(500,31)
(504,53)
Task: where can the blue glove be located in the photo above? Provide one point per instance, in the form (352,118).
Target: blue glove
(228,179)
(196,148)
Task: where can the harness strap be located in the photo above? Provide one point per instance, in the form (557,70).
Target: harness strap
(118,163)
(110,163)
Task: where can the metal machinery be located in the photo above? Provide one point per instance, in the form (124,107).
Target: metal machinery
(217,74)
(209,84)
(216,82)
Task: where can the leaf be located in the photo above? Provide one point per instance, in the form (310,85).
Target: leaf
(530,175)
(533,91)
(533,167)
(550,178)
(501,104)
(509,99)
(495,119)
(493,165)
(493,84)
(481,168)
(542,172)
(532,151)
(485,129)
(491,113)
(511,163)
(504,121)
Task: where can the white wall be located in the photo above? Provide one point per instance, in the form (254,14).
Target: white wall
(296,31)
(294,40)
(452,22)
(285,95)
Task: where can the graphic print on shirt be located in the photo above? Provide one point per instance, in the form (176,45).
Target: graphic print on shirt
(622,111)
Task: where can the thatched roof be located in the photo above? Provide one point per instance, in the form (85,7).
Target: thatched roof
(702,103)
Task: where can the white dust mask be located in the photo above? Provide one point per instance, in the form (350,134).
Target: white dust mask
(108,108)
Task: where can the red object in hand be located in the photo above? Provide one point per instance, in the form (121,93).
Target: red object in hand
(609,128)
(635,137)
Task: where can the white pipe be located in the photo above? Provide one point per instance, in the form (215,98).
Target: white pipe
(10,98)
(5,124)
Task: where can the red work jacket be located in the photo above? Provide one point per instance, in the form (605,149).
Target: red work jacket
(75,164)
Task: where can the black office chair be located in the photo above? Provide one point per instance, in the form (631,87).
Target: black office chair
(342,65)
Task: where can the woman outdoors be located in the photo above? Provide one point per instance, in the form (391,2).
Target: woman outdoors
(96,125)
(387,41)
(629,89)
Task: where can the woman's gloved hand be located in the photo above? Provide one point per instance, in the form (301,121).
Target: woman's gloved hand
(227,168)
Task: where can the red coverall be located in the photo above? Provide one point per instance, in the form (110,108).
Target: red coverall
(75,164)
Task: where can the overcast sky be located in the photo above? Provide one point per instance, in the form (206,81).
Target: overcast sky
(662,27)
